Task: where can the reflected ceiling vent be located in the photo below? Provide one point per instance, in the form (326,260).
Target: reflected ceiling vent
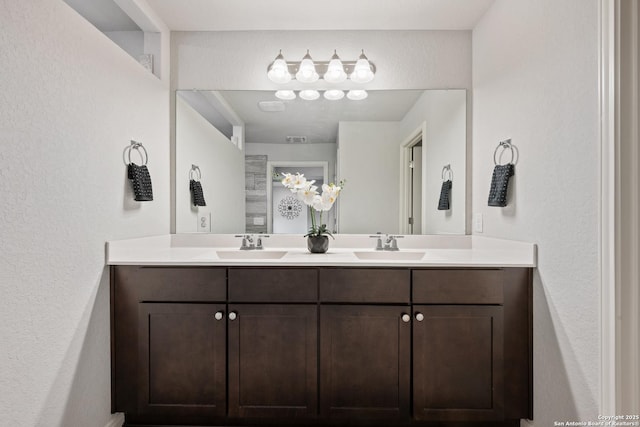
(271,106)
(296,139)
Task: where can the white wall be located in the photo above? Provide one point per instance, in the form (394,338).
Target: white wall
(222,166)
(535,78)
(368,151)
(445,142)
(70,101)
(228,60)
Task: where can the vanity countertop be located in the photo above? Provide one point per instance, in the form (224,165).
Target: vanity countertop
(195,249)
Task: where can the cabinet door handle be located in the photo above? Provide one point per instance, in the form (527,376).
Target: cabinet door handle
(419,317)
(219,315)
(233,315)
(405,318)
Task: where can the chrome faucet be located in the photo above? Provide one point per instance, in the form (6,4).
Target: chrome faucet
(390,242)
(248,243)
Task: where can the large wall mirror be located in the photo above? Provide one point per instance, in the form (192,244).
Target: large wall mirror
(395,148)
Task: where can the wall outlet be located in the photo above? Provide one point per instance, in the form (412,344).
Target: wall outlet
(204,222)
(478,224)
(258,220)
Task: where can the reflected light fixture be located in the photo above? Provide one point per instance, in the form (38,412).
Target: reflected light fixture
(309,94)
(335,70)
(307,72)
(278,71)
(357,94)
(362,72)
(333,94)
(286,95)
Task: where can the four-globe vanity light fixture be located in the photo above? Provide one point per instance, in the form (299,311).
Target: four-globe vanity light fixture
(333,71)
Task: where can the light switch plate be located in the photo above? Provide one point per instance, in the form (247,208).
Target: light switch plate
(478,223)
(204,222)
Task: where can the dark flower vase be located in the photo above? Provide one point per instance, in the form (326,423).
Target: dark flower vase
(318,244)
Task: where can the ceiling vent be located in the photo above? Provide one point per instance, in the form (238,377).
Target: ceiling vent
(271,106)
(296,139)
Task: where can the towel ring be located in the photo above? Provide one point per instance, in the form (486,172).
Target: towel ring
(137,146)
(447,173)
(506,145)
(192,173)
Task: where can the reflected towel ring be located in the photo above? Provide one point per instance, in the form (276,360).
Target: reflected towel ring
(137,146)
(447,173)
(192,173)
(506,145)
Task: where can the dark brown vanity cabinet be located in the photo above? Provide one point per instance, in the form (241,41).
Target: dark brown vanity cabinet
(168,343)
(371,346)
(273,343)
(365,344)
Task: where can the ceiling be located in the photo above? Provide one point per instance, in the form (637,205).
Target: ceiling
(247,15)
(317,120)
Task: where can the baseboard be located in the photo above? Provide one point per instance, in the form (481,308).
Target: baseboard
(117,420)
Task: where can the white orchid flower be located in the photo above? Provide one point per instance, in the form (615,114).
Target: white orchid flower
(287,180)
(317,202)
(308,193)
(299,181)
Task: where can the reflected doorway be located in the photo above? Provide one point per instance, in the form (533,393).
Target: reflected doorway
(415,188)
(412,179)
(285,213)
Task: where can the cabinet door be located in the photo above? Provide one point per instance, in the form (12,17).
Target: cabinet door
(273,361)
(364,362)
(458,363)
(181,359)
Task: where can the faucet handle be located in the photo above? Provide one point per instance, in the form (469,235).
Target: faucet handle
(259,242)
(379,242)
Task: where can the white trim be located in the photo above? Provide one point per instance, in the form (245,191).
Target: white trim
(607,81)
(405,175)
(117,420)
(628,336)
(292,164)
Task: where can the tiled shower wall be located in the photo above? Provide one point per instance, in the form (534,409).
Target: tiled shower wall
(256,193)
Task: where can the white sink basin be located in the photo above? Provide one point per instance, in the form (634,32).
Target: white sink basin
(392,256)
(250,254)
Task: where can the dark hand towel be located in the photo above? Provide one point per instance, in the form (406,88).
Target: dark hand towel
(141,181)
(196,193)
(445,196)
(500,184)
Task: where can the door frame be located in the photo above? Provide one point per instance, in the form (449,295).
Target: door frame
(271,165)
(405,176)
(619,229)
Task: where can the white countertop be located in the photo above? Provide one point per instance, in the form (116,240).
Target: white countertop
(198,249)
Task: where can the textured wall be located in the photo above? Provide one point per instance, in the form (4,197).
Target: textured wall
(535,78)
(70,100)
(239,59)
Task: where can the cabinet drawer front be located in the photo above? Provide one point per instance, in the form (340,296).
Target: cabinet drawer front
(457,286)
(273,284)
(161,284)
(364,285)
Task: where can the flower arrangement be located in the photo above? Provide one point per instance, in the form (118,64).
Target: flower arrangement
(308,194)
